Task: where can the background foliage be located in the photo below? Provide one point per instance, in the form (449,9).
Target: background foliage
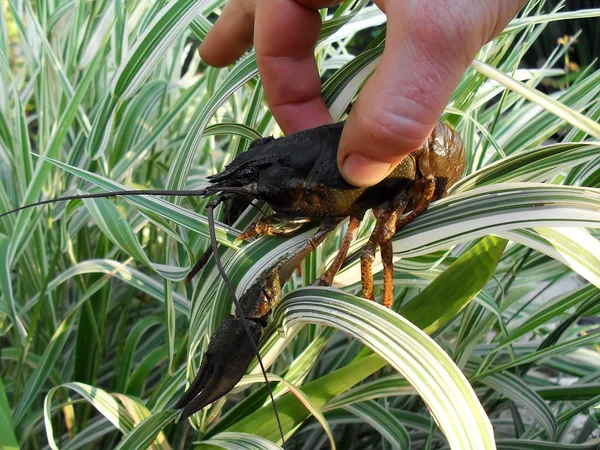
(99,333)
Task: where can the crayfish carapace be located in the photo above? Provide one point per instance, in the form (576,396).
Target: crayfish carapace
(297,177)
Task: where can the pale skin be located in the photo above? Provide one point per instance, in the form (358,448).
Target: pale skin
(429,45)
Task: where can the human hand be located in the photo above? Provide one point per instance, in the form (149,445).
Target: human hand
(429,45)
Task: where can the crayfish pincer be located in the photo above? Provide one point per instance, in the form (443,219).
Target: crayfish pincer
(230,352)
(297,177)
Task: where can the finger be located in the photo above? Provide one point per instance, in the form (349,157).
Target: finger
(285,36)
(401,103)
(231,35)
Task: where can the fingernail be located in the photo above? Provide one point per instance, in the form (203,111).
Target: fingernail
(362,171)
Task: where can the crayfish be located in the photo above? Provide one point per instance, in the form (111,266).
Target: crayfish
(297,177)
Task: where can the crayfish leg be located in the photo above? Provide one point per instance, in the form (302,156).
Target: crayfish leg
(426,194)
(388,272)
(382,233)
(288,265)
(387,216)
(327,278)
(389,221)
(273,225)
(366,275)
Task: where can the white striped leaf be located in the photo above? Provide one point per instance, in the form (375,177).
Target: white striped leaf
(143,435)
(517,391)
(383,421)
(150,47)
(238,441)
(573,117)
(445,390)
(129,275)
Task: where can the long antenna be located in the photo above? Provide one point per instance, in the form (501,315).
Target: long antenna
(213,238)
(208,253)
(238,308)
(184,193)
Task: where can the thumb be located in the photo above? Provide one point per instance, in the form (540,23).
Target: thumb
(403,100)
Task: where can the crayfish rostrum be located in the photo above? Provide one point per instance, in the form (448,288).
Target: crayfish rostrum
(297,177)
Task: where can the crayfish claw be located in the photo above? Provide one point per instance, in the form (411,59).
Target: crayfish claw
(225,362)
(196,386)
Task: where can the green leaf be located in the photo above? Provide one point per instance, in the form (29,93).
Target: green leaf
(23,226)
(292,413)
(576,391)
(544,353)
(574,247)
(526,444)
(390,386)
(177,214)
(550,311)
(236,441)
(99,399)
(116,228)
(8,440)
(128,354)
(244,70)
(537,164)
(573,117)
(129,275)
(47,362)
(9,305)
(101,128)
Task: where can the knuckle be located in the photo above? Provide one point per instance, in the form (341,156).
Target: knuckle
(367,255)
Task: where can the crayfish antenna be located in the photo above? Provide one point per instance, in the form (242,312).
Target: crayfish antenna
(125,193)
(208,252)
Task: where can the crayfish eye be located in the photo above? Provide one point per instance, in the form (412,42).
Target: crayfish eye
(246,173)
